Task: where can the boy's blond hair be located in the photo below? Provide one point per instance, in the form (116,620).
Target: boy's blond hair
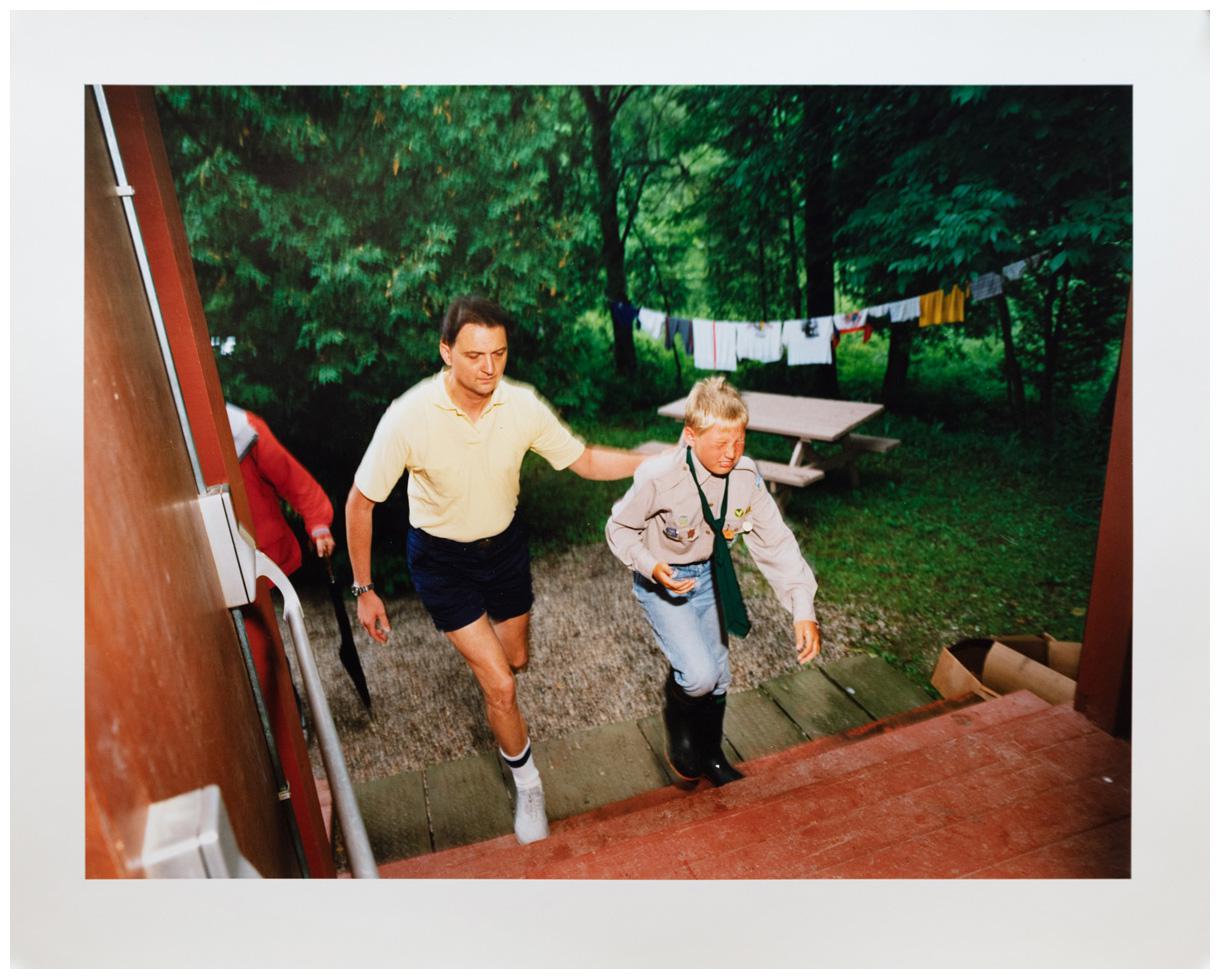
(714,401)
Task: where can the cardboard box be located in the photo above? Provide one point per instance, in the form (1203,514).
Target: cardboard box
(990,667)
(1062,657)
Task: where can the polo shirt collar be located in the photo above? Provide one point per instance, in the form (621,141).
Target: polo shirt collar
(440,394)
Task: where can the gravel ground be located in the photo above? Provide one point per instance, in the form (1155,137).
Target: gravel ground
(593,661)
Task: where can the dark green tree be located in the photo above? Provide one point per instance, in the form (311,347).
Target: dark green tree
(980,177)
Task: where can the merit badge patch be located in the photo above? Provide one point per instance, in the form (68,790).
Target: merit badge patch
(671,533)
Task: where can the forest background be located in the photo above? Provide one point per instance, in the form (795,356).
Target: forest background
(330,227)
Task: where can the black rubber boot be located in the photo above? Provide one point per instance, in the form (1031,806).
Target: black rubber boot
(682,712)
(709,734)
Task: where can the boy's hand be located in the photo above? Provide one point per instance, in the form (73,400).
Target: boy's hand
(665,575)
(808,641)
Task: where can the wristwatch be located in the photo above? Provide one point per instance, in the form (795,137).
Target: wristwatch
(358,590)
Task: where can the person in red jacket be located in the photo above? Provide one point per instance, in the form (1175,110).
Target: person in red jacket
(270,474)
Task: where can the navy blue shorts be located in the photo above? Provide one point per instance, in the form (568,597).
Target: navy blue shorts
(458,582)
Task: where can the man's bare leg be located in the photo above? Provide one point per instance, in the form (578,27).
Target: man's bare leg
(493,652)
(514,636)
(481,647)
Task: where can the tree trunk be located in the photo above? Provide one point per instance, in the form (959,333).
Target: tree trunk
(764,299)
(656,269)
(817,129)
(1012,367)
(794,278)
(1050,357)
(597,101)
(897,363)
(1105,412)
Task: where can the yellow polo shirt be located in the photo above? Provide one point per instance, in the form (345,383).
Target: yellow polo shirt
(463,477)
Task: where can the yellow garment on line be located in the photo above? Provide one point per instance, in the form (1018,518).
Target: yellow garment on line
(940,307)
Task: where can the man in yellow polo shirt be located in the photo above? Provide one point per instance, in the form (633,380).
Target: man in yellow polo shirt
(460,436)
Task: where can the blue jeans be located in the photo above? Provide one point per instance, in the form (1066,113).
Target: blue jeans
(687,628)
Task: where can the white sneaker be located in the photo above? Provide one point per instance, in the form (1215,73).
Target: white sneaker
(530,822)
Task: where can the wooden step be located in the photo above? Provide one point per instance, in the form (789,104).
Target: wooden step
(664,809)
(946,828)
(830,817)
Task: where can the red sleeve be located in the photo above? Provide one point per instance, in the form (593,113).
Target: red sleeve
(291,480)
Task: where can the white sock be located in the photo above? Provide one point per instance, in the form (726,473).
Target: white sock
(525,772)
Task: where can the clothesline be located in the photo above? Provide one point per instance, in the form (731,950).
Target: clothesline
(719,344)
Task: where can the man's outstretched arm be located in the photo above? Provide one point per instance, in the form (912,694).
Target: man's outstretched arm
(598,462)
(369,608)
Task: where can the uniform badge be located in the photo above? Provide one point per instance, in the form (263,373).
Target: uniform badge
(746,527)
(671,533)
(729,533)
(739,512)
(683,521)
(690,533)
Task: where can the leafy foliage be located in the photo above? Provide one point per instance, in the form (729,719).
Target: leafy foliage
(331,226)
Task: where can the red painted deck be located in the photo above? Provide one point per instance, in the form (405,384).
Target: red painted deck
(1007,788)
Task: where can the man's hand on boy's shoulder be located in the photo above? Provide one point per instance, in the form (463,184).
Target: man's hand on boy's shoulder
(664,574)
(808,640)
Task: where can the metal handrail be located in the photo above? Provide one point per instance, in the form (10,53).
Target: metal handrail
(355,836)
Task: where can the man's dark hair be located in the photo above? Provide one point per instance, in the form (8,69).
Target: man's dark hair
(472,309)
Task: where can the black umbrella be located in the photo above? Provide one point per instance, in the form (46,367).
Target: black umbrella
(347,645)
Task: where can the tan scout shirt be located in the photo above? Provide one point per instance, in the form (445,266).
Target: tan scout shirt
(660,520)
(463,477)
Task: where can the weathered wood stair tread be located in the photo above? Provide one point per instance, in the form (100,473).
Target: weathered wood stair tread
(467,800)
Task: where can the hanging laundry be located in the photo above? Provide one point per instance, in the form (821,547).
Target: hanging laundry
(652,322)
(622,313)
(851,322)
(876,312)
(903,310)
(808,341)
(854,323)
(931,308)
(683,330)
(1014,271)
(986,286)
(940,307)
(761,341)
(955,305)
(715,345)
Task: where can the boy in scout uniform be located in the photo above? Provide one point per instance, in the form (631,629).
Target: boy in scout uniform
(460,436)
(674,528)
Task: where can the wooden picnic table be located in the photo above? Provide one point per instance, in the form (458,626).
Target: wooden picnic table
(805,419)
(816,425)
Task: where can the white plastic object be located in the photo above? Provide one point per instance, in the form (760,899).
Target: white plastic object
(233,548)
(190,836)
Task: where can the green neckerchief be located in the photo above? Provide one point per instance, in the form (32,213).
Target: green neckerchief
(724,578)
